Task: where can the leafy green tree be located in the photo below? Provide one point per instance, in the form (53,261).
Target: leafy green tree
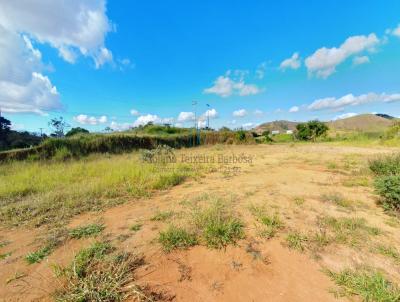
(311,130)
(76,130)
(59,125)
(5,126)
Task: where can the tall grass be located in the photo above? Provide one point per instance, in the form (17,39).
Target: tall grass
(39,193)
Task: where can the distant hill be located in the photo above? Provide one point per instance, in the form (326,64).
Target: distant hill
(362,122)
(281,126)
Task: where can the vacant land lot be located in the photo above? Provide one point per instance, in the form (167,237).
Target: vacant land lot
(297,222)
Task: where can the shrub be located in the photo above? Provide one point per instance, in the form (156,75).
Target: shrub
(311,130)
(175,237)
(388,187)
(62,154)
(386,165)
(240,135)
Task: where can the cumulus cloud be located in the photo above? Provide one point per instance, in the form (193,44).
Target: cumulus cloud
(185,117)
(240,113)
(324,61)
(351,100)
(151,118)
(293,62)
(396,31)
(294,109)
(120,126)
(134,112)
(232,84)
(90,120)
(72,27)
(247,125)
(358,60)
(211,113)
(344,115)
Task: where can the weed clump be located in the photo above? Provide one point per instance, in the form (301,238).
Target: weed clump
(86,231)
(217,226)
(176,238)
(367,284)
(296,241)
(97,273)
(271,223)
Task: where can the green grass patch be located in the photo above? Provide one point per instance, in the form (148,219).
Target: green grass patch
(368,285)
(296,240)
(86,231)
(352,231)
(37,193)
(176,238)
(217,225)
(270,223)
(388,251)
(136,227)
(5,255)
(386,165)
(39,255)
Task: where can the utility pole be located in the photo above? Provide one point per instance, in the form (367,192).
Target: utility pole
(208,116)
(41,132)
(194,103)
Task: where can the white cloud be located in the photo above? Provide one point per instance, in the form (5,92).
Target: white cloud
(185,117)
(294,109)
(293,62)
(228,85)
(239,113)
(324,61)
(151,118)
(344,115)
(260,71)
(211,113)
(396,31)
(247,125)
(391,98)
(351,100)
(120,126)
(72,27)
(90,120)
(134,112)
(201,123)
(258,113)
(358,60)
(35,96)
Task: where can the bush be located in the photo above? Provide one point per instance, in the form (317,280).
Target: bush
(388,187)
(311,130)
(386,165)
(62,154)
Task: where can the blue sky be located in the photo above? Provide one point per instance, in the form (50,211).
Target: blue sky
(123,63)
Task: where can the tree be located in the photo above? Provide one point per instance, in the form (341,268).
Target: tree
(59,125)
(76,130)
(311,130)
(5,126)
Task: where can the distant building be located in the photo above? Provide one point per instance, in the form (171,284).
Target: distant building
(273,132)
(289,131)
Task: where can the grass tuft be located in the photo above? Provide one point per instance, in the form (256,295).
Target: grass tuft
(162,216)
(98,274)
(136,227)
(218,226)
(271,224)
(296,241)
(86,231)
(176,238)
(369,285)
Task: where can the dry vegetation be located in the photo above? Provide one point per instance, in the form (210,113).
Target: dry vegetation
(318,217)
